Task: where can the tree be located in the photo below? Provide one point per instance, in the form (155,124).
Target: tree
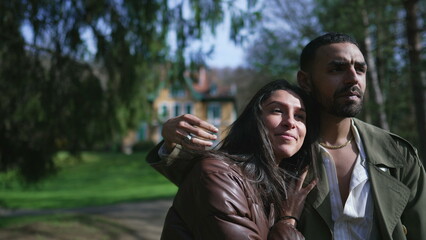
(286,28)
(391,36)
(75,74)
(417,73)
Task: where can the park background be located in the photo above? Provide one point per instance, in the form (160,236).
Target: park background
(78,76)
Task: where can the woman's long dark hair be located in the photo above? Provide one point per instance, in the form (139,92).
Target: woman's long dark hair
(248,145)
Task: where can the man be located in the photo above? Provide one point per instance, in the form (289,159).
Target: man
(372,183)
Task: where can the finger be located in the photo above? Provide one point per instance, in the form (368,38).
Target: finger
(196,144)
(180,136)
(192,140)
(202,134)
(196,131)
(172,131)
(176,130)
(195,121)
(201,142)
(310,186)
(301,179)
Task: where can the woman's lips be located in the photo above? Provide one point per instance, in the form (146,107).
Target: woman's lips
(286,136)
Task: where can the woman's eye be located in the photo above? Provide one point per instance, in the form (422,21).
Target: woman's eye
(300,117)
(360,70)
(277,110)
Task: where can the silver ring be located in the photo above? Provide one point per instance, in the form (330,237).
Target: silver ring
(188,138)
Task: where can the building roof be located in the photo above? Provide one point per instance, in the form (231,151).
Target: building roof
(201,85)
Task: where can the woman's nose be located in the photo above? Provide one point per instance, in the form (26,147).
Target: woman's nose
(288,122)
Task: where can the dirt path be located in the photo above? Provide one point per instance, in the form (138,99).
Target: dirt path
(127,221)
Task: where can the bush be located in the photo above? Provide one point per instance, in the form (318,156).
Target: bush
(143,146)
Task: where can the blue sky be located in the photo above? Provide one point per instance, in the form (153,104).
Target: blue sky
(226,53)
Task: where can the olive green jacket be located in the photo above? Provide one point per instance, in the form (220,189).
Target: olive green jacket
(398,185)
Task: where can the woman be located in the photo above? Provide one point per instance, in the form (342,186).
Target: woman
(250,188)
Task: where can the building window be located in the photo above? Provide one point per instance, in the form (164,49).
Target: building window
(143,132)
(213,90)
(163,112)
(214,114)
(188,108)
(177,109)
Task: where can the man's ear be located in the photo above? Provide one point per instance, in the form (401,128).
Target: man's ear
(303,80)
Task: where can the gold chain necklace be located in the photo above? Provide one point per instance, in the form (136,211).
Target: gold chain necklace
(338,146)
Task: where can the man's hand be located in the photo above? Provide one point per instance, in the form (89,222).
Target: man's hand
(188,131)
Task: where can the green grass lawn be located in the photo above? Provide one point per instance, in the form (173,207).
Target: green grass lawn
(96,179)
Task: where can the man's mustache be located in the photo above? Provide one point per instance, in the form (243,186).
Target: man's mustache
(349,90)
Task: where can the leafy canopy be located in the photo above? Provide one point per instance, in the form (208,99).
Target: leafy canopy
(75,74)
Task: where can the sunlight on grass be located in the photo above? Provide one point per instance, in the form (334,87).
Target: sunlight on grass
(94,179)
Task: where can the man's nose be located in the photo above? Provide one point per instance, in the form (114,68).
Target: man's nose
(352,77)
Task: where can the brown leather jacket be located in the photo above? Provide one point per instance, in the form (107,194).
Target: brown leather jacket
(216,202)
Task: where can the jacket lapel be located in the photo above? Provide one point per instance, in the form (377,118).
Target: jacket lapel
(390,195)
(319,197)
(390,198)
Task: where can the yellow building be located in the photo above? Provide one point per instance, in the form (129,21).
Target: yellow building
(205,98)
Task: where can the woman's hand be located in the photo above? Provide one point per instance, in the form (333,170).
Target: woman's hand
(296,196)
(188,131)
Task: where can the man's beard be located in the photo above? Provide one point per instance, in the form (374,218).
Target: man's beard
(342,108)
(346,110)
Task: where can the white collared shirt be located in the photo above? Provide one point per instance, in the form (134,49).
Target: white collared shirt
(354,220)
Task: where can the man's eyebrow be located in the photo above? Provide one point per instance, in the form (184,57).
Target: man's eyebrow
(344,62)
(339,61)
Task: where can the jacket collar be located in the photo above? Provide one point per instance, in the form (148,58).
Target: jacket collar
(384,156)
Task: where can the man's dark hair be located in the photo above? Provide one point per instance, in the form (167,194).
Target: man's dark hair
(308,53)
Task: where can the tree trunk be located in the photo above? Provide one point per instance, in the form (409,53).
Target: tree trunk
(416,74)
(372,69)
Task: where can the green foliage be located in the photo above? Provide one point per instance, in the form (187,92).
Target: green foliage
(291,24)
(264,57)
(143,146)
(287,26)
(381,23)
(94,179)
(77,74)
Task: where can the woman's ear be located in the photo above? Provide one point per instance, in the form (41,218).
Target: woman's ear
(303,80)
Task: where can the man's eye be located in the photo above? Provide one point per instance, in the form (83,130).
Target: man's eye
(336,69)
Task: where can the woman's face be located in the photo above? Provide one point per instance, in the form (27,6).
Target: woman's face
(284,116)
